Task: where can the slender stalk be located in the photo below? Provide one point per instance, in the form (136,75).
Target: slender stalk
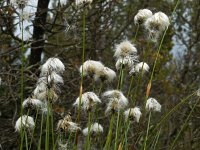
(33,129)
(89,127)
(47,129)
(52,126)
(120,77)
(109,136)
(184,125)
(147,132)
(130,86)
(23,130)
(26,140)
(100,89)
(41,126)
(83,58)
(136,33)
(117,129)
(124,135)
(126,132)
(22,80)
(156,140)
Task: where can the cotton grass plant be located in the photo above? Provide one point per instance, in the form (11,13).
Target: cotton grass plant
(116,104)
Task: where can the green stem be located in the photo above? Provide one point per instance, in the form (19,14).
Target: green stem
(120,76)
(130,86)
(47,127)
(22,80)
(34,129)
(26,140)
(100,89)
(41,126)
(109,136)
(126,132)
(117,130)
(147,132)
(89,127)
(137,29)
(157,137)
(52,127)
(82,73)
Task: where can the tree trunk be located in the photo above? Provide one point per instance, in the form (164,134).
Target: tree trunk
(37,46)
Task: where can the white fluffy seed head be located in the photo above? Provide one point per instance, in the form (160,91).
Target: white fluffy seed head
(142,66)
(159,21)
(41,85)
(133,114)
(48,94)
(156,25)
(88,100)
(55,78)
(24,122)
(153,105)
(66,124)
(95,129)
(32,102)
(125,49)
(105,75)
(142,16)
(116,101)
(128,61)
(91,67)
(52,64)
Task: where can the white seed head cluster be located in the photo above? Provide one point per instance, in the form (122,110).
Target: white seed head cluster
(32,102)
(133,114)
(52,64)
(142,66)
(53,77)
(106,74)
(129,61)
(45,89)
(50,80)
(97,71)
(125,49)
(153,105)
(91,67)
(87,101)
(156,24)
(125,54)
(142,16)
(95,129)
(67,125)
(24,122)
(116,101)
